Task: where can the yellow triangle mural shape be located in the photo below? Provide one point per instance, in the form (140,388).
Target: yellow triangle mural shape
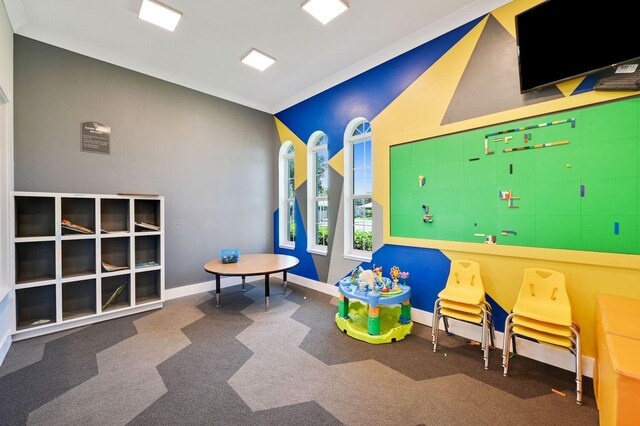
(337,162)
(423,104)
(419,108)
(568,87)
(300,147)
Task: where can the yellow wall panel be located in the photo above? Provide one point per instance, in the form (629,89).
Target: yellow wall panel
(337,162)
(285,135)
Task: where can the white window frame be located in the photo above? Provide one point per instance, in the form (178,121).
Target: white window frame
(312,149)
(283,200)
(6,186)
(349,141)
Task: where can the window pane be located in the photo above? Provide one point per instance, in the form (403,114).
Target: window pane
(358,181)
(367,153)
(322,140)
(358,155)
(291,221)
(367,181)
(291,189)
(291,167)
(321,186)
(290,150)
(321,174)
(362,224)
(321,162)
(322,223)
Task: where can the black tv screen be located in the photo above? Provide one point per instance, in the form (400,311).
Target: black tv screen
(562,39)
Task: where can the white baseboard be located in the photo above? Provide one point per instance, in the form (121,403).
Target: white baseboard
(5,344)
(329,289)
(188,290)
(546,354)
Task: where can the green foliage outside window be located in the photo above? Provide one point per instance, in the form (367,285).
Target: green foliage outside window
(362,240)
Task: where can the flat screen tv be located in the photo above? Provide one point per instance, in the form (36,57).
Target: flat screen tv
(562,39)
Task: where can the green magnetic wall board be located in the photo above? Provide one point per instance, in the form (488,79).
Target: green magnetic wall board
(582,193)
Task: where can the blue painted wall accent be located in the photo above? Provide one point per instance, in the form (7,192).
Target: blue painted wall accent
(499,314)
(586,85)
(366,94)
(429,270)
(306,268)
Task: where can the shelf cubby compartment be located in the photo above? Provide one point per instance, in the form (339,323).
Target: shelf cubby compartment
(35,306)
(35,217)
(114,215)
(115,251)
(147,251)
(35,261)
(78,257)
(78,299)
(81,212)
(109,287)
(147,212)
(147,287)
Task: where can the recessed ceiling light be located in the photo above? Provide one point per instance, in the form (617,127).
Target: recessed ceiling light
(258,60)
(159,14)
(325,10)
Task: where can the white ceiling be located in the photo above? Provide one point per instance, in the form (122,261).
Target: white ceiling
(205,50)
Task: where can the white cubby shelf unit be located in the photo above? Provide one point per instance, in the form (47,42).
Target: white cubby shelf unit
(84,258)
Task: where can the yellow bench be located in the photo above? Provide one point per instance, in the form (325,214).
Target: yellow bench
(616,376)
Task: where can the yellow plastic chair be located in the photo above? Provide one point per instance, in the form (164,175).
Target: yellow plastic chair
(543,312)
(463,299)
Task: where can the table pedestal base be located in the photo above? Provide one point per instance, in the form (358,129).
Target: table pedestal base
(357,324)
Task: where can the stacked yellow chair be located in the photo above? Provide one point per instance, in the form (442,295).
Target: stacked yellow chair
(543,312)
(463,299)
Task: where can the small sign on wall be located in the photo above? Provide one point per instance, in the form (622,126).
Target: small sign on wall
(95,137)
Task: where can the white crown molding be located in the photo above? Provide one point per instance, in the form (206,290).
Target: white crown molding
(428,33)
(17,15)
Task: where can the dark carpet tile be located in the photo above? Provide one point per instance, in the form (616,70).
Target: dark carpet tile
(67,362)
(414,357)
(196,377)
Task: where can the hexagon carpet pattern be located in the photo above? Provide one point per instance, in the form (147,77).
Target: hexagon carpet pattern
(193,363)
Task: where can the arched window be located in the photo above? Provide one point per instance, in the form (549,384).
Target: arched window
(317,194)
(358,204)
(287,196)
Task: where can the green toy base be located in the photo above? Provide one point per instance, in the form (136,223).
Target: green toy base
(390,328)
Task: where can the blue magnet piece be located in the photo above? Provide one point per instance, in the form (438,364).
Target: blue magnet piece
(616,228)
(582,190)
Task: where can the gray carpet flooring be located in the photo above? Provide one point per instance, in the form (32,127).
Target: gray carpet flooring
(191,363)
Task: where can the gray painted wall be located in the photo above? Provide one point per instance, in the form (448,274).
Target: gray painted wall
(210,158)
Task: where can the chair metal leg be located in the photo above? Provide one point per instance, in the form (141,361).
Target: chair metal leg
(492,330)
(434,325)
(485,338)
(445,320)
(506,342)
(578,355)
